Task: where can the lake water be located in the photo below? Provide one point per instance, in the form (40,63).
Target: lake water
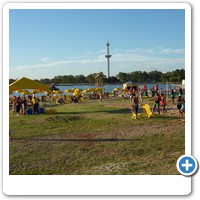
(109,88)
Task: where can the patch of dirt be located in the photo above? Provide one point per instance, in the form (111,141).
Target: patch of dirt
(109,168)
(150,129)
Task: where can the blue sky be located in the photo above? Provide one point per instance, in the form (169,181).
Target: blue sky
(47,43)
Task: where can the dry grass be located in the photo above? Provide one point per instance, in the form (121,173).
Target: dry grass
(94,138)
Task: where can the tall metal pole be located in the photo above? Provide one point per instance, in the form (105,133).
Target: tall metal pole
(108,58)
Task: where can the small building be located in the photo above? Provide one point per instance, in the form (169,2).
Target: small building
(129,85)
(99,79)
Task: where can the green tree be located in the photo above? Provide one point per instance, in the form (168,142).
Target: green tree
(173,79)
(155,76)
(91,78)
(111,79)
(122,77)
(45,81)
(70,79)
(80,78)
(145,77)
(11,80)
(136,76)
(56,80)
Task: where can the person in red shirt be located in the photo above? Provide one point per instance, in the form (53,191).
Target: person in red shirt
(163,103)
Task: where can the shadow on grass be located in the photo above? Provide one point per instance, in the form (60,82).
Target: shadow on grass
(117,111)
(142,116)
(76,140)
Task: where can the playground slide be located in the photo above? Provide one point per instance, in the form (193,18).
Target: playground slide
(147,110)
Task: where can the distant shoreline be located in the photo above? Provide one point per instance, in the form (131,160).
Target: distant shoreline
(157,83)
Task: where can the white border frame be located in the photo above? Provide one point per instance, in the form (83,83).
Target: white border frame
(94,184)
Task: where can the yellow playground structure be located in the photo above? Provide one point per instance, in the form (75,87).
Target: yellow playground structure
(147,110)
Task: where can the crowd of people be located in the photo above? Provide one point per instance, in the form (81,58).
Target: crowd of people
(24,105)
(159,102)
(30,105)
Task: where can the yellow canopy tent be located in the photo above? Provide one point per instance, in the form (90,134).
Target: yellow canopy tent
(78,90)
(25,92)
(69,90)
(125,90)
(19,91)
(25,83)
(98,89)
(34,92)
(116,89)
(89,90)
(57,92)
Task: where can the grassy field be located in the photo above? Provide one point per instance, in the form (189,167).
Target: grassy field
(95,138)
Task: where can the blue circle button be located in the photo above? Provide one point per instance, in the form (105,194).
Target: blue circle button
(187,165)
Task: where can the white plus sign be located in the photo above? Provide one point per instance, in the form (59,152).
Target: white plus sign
(187,165)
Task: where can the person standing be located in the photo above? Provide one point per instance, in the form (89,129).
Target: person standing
(179,104)
(134,105)
(35,104)
(101,97)
(24,105)
(13,101)
(18,105)
(180,92)
(172,95)
(156,102)
(182,110)
(163,103)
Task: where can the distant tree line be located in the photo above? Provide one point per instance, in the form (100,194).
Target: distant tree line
(153,76)
(137,76)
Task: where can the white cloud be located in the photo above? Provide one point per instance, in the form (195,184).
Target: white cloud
(173,51)
(151,51)
(121,60)
(126,50)
(44,59)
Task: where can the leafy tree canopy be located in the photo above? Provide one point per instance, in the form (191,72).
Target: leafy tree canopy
(137,76)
